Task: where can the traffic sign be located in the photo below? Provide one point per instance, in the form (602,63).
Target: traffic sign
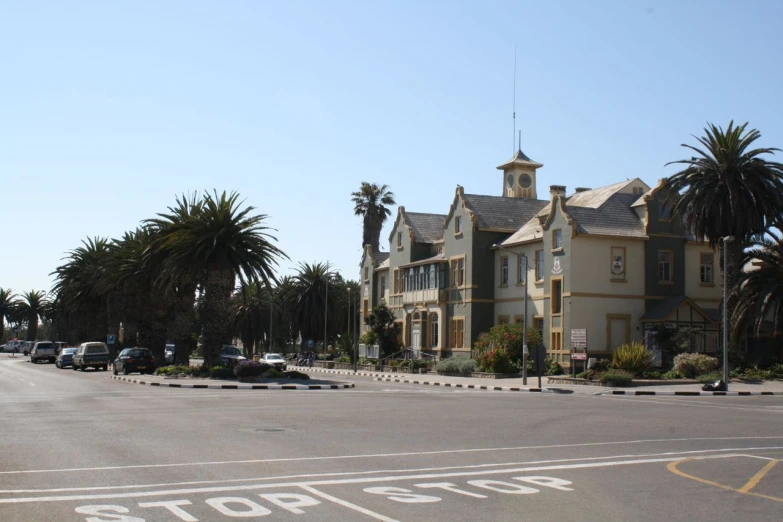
(579,356)
(579,339)
(110,339)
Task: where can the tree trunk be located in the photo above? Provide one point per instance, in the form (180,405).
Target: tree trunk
(215,312)
(32,327)
(184,315)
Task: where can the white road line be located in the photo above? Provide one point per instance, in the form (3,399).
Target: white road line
(346,481)
(386,455)
(681,454)
(685,402)
(347,504)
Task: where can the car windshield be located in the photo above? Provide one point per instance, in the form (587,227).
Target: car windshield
(273,358)
(140,353)
(230,350)
(68,351)
(45,345)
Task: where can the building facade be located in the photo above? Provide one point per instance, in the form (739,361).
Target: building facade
(608,260)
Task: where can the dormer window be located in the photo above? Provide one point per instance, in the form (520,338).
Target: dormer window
(557,238)
(399,239)
(458,224)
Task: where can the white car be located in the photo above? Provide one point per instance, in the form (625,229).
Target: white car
(274,360)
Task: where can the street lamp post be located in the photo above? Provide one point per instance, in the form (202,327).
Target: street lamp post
(725,240)
(271,315)
(326,305)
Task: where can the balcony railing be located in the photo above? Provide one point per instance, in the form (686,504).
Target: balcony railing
(430,295)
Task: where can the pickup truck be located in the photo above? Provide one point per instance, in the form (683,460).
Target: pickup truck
(43,350)
(94,355)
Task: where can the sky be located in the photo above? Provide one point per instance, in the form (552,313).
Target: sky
(109,110)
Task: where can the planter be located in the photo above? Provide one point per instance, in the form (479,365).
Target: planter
(367,368)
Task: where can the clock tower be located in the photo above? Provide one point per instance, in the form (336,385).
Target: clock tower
(519,176)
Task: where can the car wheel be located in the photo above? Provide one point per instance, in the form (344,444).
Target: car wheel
(26,352)
(125,370)
(81,367)
(73,367)
(57,364)
(114,369)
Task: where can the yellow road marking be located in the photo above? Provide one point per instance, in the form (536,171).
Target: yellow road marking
(758,476)
(745,490)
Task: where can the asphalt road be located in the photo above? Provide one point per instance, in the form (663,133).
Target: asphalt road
(80,446)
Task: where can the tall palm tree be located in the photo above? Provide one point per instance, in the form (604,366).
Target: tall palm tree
(7,298)
(166,228)
(372,202)
(759,294)
(728,189)
(309,299)
(32,307)
(219,243)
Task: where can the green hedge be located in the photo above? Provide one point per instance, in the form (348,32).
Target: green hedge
(461,365)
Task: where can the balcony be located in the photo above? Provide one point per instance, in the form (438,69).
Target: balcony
(430,295)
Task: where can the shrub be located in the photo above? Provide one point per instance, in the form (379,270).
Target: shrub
(248,368)
(552,367)
(617,378)
(672,374)
(363,361)
(394,363)
(369,337)
(461,365)
(221,372)
(651,375)
(296,375)
(692,365)
(601,365)
(272,373)
(178,370)
(634,358)
(495,361)
(709,378)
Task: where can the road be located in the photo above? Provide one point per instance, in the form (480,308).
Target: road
(82,447)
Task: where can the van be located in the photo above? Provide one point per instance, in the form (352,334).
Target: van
(95,355)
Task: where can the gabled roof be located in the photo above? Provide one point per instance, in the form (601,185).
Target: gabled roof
(666,306)
(531,231)
(380,257)
(520,158)
(427,228)
(501,213)
(595,198)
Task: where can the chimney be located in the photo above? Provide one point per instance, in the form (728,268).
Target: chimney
(557,190)
(582,189)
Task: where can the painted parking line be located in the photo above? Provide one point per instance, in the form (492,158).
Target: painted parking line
(746,489)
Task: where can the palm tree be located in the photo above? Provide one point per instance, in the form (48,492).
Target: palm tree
(219,243)
(7,298)
(32,307)
(250,314)
(178,278)
(307,302)
(727,189)
(759,294)
(371,202)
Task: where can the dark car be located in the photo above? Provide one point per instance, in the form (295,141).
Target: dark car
(134,360)
(230,355)
(65,358)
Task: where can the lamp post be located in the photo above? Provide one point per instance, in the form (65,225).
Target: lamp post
(326,305)
(725,240)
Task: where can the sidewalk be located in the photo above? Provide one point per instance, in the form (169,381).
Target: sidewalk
(516,384)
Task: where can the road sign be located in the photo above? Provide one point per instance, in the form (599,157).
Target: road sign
(579,339)
(310,343)
(579,356)
(110,339)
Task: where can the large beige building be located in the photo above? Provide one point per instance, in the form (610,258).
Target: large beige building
(608,260)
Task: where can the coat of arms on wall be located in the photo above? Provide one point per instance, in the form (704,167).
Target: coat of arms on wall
(618,267)
(556,268)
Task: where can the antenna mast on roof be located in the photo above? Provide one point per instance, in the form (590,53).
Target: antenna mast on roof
(514,117)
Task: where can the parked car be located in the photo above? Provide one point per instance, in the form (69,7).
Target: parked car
(134,360)
(275,360)
(94,354)
(168,355)
(27,347)
(230,355)
(43,350)
(59,345)
(65,357)
(11,345)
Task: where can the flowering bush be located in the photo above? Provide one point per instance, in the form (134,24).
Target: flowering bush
(692,365)
(495,360)
(250,368)
(508,337)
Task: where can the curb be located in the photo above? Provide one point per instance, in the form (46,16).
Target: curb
(468,386)
(239,386)
(687,393)
(336,372)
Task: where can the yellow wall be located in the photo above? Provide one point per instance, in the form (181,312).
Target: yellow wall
(591,266)
(693,287)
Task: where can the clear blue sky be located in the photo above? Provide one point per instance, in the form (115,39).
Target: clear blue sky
(110,109)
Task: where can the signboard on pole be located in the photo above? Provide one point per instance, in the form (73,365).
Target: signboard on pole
(579,339)
(579,356)
(110,339)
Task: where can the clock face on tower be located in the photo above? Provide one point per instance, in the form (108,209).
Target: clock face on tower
(525,181)
(510,180)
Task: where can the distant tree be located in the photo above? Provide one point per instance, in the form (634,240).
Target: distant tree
(7,298)
(381,322)
(31,307)
(372,202)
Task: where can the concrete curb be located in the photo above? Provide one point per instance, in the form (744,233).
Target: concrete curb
(238,386)
(336,372)
(467,386)
(687,393)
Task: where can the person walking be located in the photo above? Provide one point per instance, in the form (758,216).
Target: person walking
(310,359)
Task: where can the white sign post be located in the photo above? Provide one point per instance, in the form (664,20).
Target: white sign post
(578,348)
